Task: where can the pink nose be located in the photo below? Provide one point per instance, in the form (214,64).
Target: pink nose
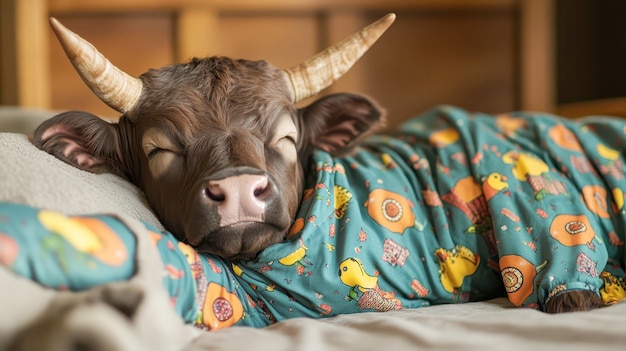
(240,198)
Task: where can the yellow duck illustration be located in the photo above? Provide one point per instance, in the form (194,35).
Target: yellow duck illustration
(525,165)
(444,137)
(297,256)
(90,236)
(237,270)
(455,265)
(614,288)
(81,237)
(607,152)
(342,198)
(352,273)
(618,197)
(614,164)
(494,183)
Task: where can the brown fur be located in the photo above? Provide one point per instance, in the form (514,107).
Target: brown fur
(221,115)
(572,301)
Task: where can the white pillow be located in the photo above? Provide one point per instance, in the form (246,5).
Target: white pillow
(33,177)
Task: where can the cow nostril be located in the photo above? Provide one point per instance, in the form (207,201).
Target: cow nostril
(213,194)
(238,189)
(259,191)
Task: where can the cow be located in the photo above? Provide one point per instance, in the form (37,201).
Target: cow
(223,156)
(214,143)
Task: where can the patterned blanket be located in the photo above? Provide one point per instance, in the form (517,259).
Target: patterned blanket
(453,207)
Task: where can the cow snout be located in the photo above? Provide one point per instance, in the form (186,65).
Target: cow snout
(240,198)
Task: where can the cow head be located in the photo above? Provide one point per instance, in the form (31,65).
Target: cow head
(216,144)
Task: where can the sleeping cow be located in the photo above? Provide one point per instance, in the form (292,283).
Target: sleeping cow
(214,143)
(319,221)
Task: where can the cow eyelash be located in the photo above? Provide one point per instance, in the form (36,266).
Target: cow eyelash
(154,152)
(291,138)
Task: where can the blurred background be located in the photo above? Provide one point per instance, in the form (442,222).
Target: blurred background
(561,56)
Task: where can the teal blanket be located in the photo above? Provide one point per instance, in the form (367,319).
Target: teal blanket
(453,207)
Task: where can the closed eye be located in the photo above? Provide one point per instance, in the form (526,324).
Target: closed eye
(287,147)
(161,150)
(291,138)
(155,151)
(287,141)
(155,142)
(285,138)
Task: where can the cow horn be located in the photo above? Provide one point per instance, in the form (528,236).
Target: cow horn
(320,71)
(114,87)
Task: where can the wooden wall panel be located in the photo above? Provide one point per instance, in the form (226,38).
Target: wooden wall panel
(283,40)
(429,56)
(24,75)
(463,58)
(537,71)
(133,43)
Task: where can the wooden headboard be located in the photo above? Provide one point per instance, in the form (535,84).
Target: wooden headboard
(480,54)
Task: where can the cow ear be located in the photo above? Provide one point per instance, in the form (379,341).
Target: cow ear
(82,140)
(335,123)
